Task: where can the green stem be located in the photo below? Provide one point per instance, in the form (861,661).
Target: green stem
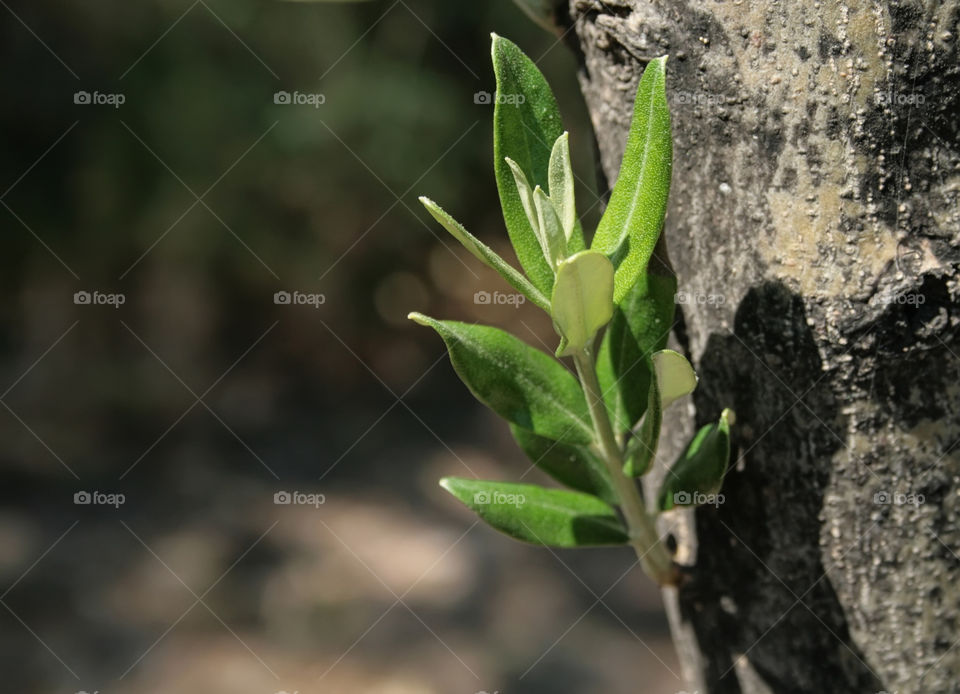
(653,555)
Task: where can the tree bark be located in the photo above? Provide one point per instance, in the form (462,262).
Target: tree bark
(814,228)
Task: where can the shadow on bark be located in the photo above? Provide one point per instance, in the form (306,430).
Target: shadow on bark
(759,591)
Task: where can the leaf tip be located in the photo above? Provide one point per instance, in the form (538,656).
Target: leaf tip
(419,318)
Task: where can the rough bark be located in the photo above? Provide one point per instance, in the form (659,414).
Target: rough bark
(814,213)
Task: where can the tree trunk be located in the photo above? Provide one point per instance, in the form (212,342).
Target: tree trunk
(815,232)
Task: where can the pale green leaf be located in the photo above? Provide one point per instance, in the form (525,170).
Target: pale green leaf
(485,254)
(551,233)
(526,199)
(582,301)
(561,185)
(675,376)
(549,517)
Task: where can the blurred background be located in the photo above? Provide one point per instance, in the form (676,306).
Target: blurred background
(172,172)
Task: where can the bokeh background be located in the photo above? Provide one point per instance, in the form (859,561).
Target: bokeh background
(199,398)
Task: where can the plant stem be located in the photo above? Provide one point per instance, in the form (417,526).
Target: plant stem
(653,555)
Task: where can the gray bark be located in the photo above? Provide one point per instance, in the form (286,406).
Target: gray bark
(814,212)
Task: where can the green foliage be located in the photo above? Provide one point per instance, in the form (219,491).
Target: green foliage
(550,517)
(577,467)
(596,434)
(629,228)
(698,473)
(521,384)
(485,254)
(582,300)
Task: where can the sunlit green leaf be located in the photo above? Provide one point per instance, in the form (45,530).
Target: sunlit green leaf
(521,384)
(582,301)
(526,123)
(629,228)
(551,233)
(577,467)
(675,376)
(550,517)
(699,472)
(561,185)
(485,254)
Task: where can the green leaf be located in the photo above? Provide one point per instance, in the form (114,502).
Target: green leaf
(551,233)
(629,228)
(577,467)
(526,199)
(640,326)
(550,517)
(486,254)
(521,384)
(582,301)
(561,185)
(673,378)
(699,472)
(525,132)
(642,447)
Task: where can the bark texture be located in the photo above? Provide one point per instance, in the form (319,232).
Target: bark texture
(814,228)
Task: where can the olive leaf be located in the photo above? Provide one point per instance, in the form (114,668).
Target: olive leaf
(521,384)
(561,185)
(699,472)
(550,517)
(673,377)
(629,228)
(582,300)
(524,129)
(485,254)
(577,467)
(640,326)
